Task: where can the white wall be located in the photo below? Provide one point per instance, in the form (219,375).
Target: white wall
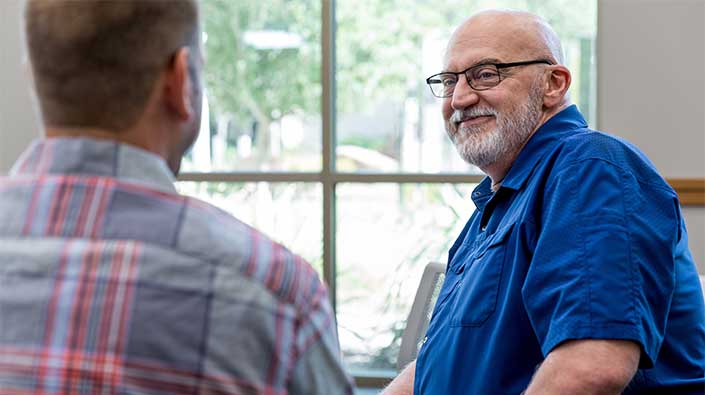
(651,88)
(18,119)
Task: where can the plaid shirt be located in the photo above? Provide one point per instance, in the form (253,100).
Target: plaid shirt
(112,283)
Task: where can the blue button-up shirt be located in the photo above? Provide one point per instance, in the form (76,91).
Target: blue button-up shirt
(584,240)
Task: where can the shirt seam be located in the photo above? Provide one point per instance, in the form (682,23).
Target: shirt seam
(583,257)
(628,212)
(630,331)
(180,222)
(576,162)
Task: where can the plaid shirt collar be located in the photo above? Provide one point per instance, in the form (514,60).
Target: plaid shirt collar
(94,157)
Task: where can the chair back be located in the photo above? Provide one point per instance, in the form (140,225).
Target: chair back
(420,314)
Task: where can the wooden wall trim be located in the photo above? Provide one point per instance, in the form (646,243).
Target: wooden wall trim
(691,191)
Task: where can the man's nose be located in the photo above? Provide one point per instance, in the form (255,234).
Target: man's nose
(463,95)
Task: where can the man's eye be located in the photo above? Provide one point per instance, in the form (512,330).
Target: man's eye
(448,81)
(485,74)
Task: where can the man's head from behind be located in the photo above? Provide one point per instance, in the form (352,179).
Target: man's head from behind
(127,70)
(494,108)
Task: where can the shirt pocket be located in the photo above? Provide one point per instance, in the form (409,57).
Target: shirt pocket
(474,299)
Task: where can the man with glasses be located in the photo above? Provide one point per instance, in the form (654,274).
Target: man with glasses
(110,281)
(573,276)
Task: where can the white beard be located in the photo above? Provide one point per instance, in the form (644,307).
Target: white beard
(485,147)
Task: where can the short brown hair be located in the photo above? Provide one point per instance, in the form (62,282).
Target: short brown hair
(95,62)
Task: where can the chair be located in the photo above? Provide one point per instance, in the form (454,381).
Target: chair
(420,314)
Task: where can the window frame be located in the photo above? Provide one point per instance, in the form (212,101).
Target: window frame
(329,177)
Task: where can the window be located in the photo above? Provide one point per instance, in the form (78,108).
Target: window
(320,131)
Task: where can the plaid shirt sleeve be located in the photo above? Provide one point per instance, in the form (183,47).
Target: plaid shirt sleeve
(317,368)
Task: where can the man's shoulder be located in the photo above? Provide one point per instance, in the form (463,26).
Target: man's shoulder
(585,147)
(586,143)
(241,251)
(99,207)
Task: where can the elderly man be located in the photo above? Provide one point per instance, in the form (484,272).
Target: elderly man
(111,282)
(573,276)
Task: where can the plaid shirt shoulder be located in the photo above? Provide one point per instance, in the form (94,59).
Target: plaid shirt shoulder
(109,286)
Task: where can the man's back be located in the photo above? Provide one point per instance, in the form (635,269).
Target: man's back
(110,281)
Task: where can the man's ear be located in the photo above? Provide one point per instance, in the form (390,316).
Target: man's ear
(557,86)
(178,85)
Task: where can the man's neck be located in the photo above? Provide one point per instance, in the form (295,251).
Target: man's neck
(56,131)
(496,185)
(499,169)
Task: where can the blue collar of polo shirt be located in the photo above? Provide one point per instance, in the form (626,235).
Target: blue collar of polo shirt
(482,193)
(541,143)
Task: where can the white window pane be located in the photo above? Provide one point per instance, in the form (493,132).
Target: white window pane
(386,235)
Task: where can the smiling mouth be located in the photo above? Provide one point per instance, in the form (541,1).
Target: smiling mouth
(472,121)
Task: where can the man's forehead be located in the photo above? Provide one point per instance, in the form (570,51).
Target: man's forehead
(466,54)
(474,43)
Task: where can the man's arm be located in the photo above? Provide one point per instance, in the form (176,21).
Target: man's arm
(587,367)
(404,383)
(319,371)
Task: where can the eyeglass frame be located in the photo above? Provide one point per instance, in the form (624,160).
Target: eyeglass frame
(498,66)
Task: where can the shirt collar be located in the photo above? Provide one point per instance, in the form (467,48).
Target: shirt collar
(558,126)
(482,193)
(94,157)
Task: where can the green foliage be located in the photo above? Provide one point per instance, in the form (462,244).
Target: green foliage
(263,84)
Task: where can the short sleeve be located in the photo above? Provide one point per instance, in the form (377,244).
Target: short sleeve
(318,369)
(603,266)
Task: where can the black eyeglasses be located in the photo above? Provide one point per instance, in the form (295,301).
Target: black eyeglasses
(480,77)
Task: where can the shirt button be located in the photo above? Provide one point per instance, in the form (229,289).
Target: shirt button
(424,340)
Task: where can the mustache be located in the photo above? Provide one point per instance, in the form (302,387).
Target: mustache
(462,115)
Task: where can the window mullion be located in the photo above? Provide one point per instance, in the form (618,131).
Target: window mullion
(328,143)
